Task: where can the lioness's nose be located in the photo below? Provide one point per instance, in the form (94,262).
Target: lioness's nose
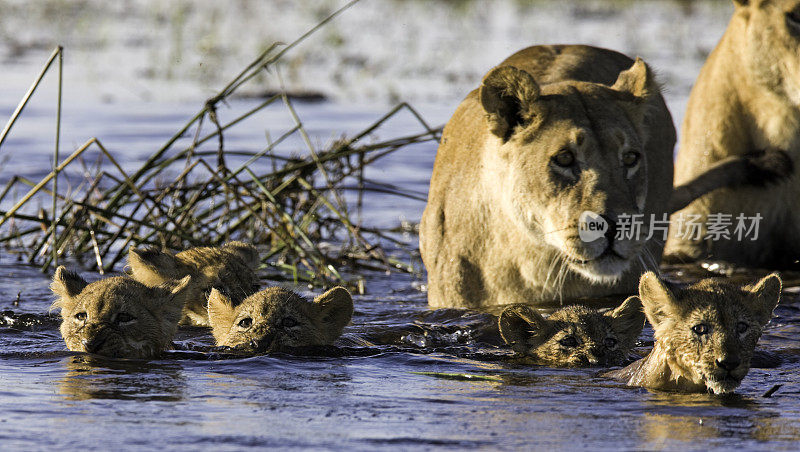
(611,232)
(729,363)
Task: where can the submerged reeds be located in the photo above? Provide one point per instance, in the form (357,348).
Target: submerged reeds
(294,207)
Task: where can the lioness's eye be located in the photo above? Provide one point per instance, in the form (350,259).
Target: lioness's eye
(610,342)
(124,317)
(700,329)
(568,341)
(741,327)
(630,158)
(81,316)
(245,322)
(288,322)
(564,158)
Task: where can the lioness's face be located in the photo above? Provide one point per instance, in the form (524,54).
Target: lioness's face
(772,46)
(710,329)
(117,317)
(276,318)
(577,147)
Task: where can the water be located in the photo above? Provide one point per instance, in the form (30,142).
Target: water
(134,76)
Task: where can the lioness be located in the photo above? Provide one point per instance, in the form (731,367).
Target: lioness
(118,316)
(746,98)
(574,336)
(276,318)
(552,134)
(231,266)
(705,334)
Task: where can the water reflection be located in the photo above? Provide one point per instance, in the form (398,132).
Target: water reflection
(90,377)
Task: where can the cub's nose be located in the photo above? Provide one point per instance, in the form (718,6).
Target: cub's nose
(93,345)
(729,363)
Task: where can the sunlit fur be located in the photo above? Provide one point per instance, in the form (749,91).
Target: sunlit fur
(118,317)
(705,334)
(230,267)
(574,336)
(501,225)
(276,318)
(746,99)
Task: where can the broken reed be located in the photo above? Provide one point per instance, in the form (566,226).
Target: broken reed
(289,210)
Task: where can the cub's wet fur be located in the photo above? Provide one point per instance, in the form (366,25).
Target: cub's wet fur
(118,317)
(276,318)
(231,266)
(575,335)
(705,333)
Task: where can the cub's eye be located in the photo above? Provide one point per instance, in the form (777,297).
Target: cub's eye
(741,327)
(124,317)
(569,341)
(81,316)
(630,158)
(700,329)
(245,322)
(610,342)
(288,322)
(564,158)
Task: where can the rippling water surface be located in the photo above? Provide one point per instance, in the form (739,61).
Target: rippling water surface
(384,384)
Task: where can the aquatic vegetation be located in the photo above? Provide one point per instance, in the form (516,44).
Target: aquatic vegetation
(196,191)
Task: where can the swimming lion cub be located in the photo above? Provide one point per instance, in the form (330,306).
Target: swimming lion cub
(705,334)
(118,317)
(276,318)
(575,335)
(231,266)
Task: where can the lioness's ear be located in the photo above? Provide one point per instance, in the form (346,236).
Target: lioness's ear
(67,285)
(151,267)
(522,327)
(766,295)
(507,95)
(221,312)
(657,299)
(335,311)
(637,80)
(247,252)
(628,318)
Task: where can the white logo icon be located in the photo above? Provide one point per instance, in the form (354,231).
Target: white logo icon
(591,226)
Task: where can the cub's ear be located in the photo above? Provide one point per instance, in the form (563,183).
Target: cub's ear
(151,267)
(221,312)
(658,301)
(507,95)
(766,295)
(247,252)
(175,293)
(335,311)
(628,318)
(522,328)
(67,285)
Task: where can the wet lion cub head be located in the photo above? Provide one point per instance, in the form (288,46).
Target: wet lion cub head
(118,317)
(574,336)
(231,266)
(709,330)
(276,318)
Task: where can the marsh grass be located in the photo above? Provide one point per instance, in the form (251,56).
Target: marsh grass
(295,208)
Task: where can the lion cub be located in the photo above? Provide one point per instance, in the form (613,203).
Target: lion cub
(118,317)
(705,334)
(231,266)
(575,335)
(276,318)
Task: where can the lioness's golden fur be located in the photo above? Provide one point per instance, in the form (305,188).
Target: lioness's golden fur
(501,226)
(746,99)
(276,318)
(705,334)
(574,336)
(118,317)
(230,267)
